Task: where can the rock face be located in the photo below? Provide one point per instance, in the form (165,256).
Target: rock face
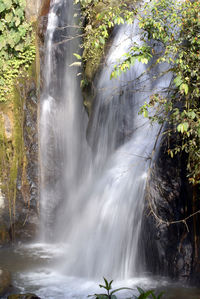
(169,249)
(5,281)
(19,154)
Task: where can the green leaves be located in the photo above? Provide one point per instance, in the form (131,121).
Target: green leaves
(147,294)
(15,38)
(108,287)
(136,53)
(101,18)
(180,41)
(184,87)
(178,81)
(77,56)
(183,127)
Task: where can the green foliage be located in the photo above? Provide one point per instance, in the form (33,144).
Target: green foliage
(101,17)
(175,26)
(136,53)
(17,50)
(150,294)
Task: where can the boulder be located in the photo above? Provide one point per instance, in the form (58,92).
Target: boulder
(5,281)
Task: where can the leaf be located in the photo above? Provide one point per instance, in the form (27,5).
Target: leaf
(107,284)
(183,127)
(77,63)
(17,21)
(117,290)
(145,113)
(110,284)
(8,17)
(145,295)
(184,87)
(178,81)
(1,26)
(140,290)
(144,60)
(192,114)
(180,128)
(77,56)
(99,296)
(8,3)
(2,7)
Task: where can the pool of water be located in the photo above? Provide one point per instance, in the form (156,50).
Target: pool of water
(37,268)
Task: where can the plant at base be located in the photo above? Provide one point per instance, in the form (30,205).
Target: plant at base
(110,294)
(147,294)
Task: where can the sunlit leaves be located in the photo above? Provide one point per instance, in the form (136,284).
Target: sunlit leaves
(176,26)
(136,53)
(15,40)
(101,19)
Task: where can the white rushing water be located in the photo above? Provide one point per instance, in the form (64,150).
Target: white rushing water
(92,194)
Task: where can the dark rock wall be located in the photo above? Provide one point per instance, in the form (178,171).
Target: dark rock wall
(169,248)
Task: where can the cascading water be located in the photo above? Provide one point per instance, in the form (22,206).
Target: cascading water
(95,205)
(63,119)
(92,193)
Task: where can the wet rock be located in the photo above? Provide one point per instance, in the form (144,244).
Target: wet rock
(5,281)
(23,296)
(170,196)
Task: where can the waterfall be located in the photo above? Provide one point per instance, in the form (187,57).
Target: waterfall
(92,194)
(63,119)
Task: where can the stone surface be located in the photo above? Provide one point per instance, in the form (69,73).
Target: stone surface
(5,281)
(7,125)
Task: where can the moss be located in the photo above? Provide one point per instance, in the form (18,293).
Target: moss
(12,152)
